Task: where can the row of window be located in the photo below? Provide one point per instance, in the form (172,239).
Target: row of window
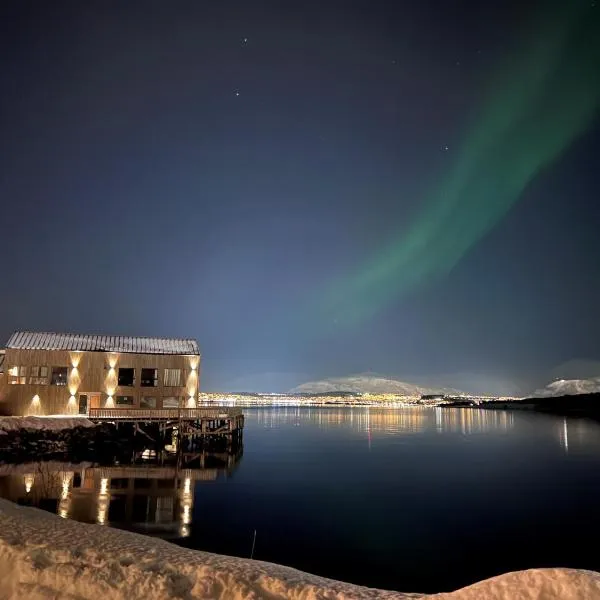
(39,375)
(149,401)
(149,377)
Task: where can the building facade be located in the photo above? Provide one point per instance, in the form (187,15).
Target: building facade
(50,374)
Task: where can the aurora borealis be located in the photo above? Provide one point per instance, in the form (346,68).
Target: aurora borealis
(541,97)
(311,189)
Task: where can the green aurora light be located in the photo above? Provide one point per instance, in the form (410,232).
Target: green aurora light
(539,102)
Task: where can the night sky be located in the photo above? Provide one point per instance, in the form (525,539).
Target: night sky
(310,189)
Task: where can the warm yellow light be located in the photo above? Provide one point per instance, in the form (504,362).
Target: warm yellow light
(110,383)
(112,360)
(103,500)
(13,371)
(194,362)
(187,486)
(187,514)
(75,359)
(191,403)
(102,510)
(74,381)
(34,407)
(110,403)
(65,485)
(28,480)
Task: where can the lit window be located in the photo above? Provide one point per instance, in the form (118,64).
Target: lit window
(59,376)
(148,402)
(172,378)
(17,375)
(126,377)
(149,378)
(38,375)
(171,402)
(124,400)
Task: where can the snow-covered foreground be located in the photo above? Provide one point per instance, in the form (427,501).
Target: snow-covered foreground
(42,423)
(44,556)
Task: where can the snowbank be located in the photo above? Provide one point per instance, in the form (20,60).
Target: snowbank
(42,423)
(43,556)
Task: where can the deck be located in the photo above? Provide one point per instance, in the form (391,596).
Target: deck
(164,414)
(201,421)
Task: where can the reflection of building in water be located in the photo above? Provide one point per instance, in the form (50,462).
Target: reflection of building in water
(157,500)
(472,420)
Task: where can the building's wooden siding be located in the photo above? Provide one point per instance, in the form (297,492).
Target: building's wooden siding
(92,375)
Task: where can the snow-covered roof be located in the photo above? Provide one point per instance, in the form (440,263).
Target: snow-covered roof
(33,340)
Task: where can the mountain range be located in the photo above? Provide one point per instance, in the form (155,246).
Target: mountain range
(368,384)
(569,387)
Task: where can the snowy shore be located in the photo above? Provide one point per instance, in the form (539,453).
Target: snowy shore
(42,423)
(43,556)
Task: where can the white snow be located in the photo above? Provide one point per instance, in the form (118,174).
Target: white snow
(366,384)
(43,556)
(569,387)
(52,423)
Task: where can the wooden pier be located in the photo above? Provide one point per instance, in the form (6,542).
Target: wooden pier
(201,422)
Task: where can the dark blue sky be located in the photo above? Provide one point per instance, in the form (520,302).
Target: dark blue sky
(162,176)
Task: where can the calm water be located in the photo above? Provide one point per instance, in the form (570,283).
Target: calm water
(416,499)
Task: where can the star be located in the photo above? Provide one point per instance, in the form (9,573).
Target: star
(445,148)
(237,93)
(245,40)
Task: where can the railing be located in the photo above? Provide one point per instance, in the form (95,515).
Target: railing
(151,472)
(161,414)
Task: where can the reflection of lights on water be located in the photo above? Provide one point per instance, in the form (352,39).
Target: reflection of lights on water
(65,485)
(565,436)
(187,486)
(103,500)
(186,517)
(102,510)
(28,480)
(184,531)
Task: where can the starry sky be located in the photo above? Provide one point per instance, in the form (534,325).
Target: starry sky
(310,189)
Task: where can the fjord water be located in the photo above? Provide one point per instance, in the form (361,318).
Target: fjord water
(412,499)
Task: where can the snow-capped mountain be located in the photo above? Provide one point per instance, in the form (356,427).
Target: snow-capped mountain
(569,387)
(367,384)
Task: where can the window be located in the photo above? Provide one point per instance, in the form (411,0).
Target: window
(171,402)
(59,376)
(17,375)
(172,378)
(38,375)
(149,378)
(148,402)
(124,400)
(126,377)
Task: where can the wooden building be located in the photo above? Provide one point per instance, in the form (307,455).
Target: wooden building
(49,373)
